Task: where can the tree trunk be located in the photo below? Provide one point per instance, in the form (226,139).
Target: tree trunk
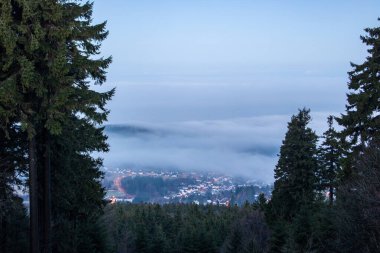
(47,197)
(33,198)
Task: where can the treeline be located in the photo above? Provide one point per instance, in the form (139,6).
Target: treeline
(243,194)
(185,228)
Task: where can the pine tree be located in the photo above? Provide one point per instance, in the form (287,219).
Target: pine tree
(48,50)
(77,201)
(234,242)
(295,172)
(361,122)
(261,203)
(330,158)
(295,184)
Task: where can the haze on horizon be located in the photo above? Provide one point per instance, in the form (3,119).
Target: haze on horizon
(212,84)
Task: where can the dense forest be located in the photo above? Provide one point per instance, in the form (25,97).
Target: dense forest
(326,195)
(186,228)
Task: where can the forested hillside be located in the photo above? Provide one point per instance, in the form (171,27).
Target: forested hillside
(326,194)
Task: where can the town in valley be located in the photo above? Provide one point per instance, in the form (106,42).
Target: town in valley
(175,186)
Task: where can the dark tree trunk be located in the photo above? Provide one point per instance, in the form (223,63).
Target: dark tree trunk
(47,197)
(33,197)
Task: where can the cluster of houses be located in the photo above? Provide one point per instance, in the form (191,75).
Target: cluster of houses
(207,188)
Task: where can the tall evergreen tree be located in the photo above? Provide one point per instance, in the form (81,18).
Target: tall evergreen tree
(77,196)
(295,185)
(361,121)
(48,50)
(330,158)
(295,172)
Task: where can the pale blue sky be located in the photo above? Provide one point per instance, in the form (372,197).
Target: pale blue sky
(225,63)
(148,37)
(266,46)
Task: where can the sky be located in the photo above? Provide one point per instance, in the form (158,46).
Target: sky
(211,85)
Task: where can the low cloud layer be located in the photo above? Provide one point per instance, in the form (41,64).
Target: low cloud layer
(242,147)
